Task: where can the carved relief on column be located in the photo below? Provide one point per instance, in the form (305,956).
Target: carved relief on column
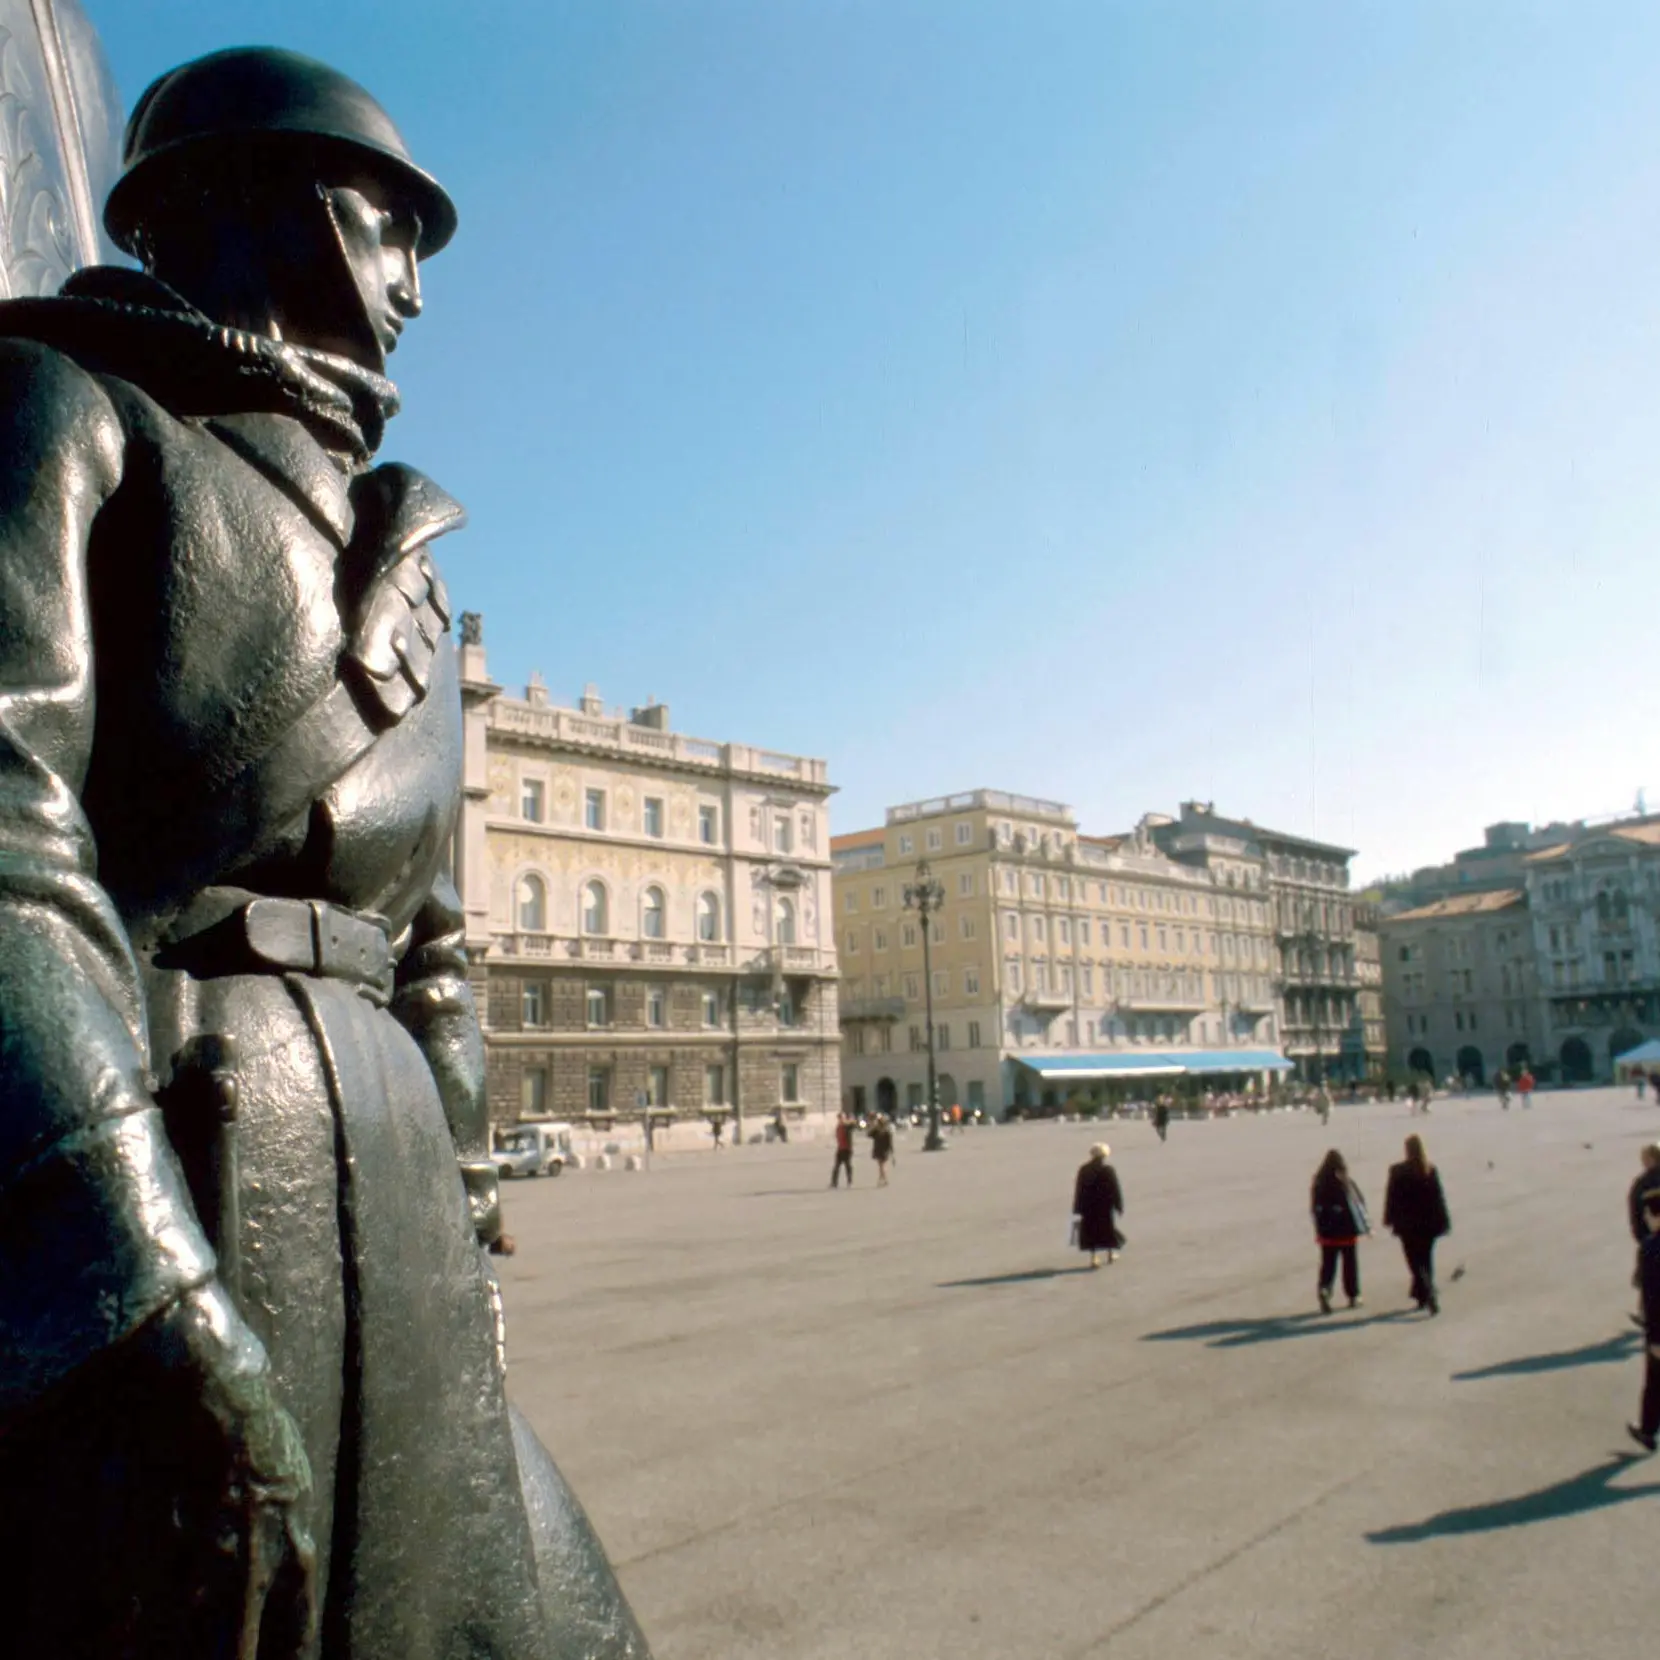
(60,124)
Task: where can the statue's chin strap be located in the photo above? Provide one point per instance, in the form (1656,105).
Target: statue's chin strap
(366,340)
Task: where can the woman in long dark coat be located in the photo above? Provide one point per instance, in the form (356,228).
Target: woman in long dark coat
(1339,1220)
(1415,1208)
(1097,1200)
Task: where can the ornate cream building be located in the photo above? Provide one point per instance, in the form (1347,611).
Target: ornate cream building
(647,913)
(1063,965)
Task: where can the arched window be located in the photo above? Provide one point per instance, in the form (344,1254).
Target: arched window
(532,905)
(596,909)
(708,917)
(786,921)
(652,914)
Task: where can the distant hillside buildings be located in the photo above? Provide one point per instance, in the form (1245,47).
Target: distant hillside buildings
(1541,947)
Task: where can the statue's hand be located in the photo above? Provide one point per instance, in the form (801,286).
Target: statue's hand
(205,1343)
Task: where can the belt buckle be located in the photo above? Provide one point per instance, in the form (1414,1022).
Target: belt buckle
(348,948)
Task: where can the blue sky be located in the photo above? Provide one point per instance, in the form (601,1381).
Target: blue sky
(1115,403)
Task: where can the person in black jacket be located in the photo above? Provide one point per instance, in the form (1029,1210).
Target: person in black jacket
(1097,1200)
(1415,1208)
(1339,1220)
(1646,1183)
(1648,1268)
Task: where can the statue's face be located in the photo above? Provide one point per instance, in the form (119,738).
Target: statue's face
(378,237)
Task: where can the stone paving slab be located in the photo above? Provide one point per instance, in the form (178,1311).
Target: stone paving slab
(815,1424)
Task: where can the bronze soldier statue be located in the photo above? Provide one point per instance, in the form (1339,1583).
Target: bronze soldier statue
(252,1394)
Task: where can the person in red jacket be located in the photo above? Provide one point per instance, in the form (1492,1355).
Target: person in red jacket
(1524,1086)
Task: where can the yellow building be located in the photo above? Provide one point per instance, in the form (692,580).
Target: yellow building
(1063,965)
(647,915)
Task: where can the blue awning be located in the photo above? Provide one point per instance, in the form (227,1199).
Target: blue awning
(1154,1063)
(1641,1055)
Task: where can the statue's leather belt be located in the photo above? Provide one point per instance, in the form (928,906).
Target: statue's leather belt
(234,934)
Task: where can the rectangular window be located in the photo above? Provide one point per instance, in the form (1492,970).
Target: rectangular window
(1064,934)
(1011,925)
(1083,931)
(1144,936)
(856,1040)
(942,982)
(1010,881)
(781,834)
(1037,885)
(599,1006)
(974,1034)
(532,1007)
(599,1089)
(657,1007)
(1124,935)
(789,1083)
(593,809)
(912,984)
(1011,977)
(786,1009)
(916,1038)
(714,1086)
(1087,979)
(907,936)
(533,1092)
(966,926)
(708,825)
(532,800)
(878,899)
(653,816)
(965,834)
(657,1086)
(1040,928)
(976,1095)
(934,841)
(852,942)
(850,901)
(971,981)
(711,1008)
(942,1037)
(906,845)
(1164,940)
(965,884)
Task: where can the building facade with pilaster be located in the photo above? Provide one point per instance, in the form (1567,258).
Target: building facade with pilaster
(1063,966)
(648,916)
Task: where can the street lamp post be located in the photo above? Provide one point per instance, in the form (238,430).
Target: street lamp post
(925,896)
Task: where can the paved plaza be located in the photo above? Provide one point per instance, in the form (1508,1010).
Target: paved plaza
(815,1424)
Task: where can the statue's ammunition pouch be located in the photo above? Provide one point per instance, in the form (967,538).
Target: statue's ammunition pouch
(228,931)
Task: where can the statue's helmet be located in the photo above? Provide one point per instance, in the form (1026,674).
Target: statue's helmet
(263,96)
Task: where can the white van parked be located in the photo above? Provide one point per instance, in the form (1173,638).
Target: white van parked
(538,1149)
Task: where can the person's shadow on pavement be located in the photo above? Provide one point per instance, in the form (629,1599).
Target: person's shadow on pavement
(1590,1490)
(1622,1347)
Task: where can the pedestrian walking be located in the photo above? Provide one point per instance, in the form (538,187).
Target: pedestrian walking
(1097,1202)
(1647,1182)
(1322,1103)
(844,1150)
(1161,1118)
(1524,1086)
(1640,1079)
(1645,1431)
(881,1148)
(1415,1210)
(717,1128)
(1501,1086)
(1339,1210)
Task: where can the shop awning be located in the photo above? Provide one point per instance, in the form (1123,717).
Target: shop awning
(1644,1054)
(1174,1063)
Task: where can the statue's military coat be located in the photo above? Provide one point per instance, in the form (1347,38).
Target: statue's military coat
(225,673)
